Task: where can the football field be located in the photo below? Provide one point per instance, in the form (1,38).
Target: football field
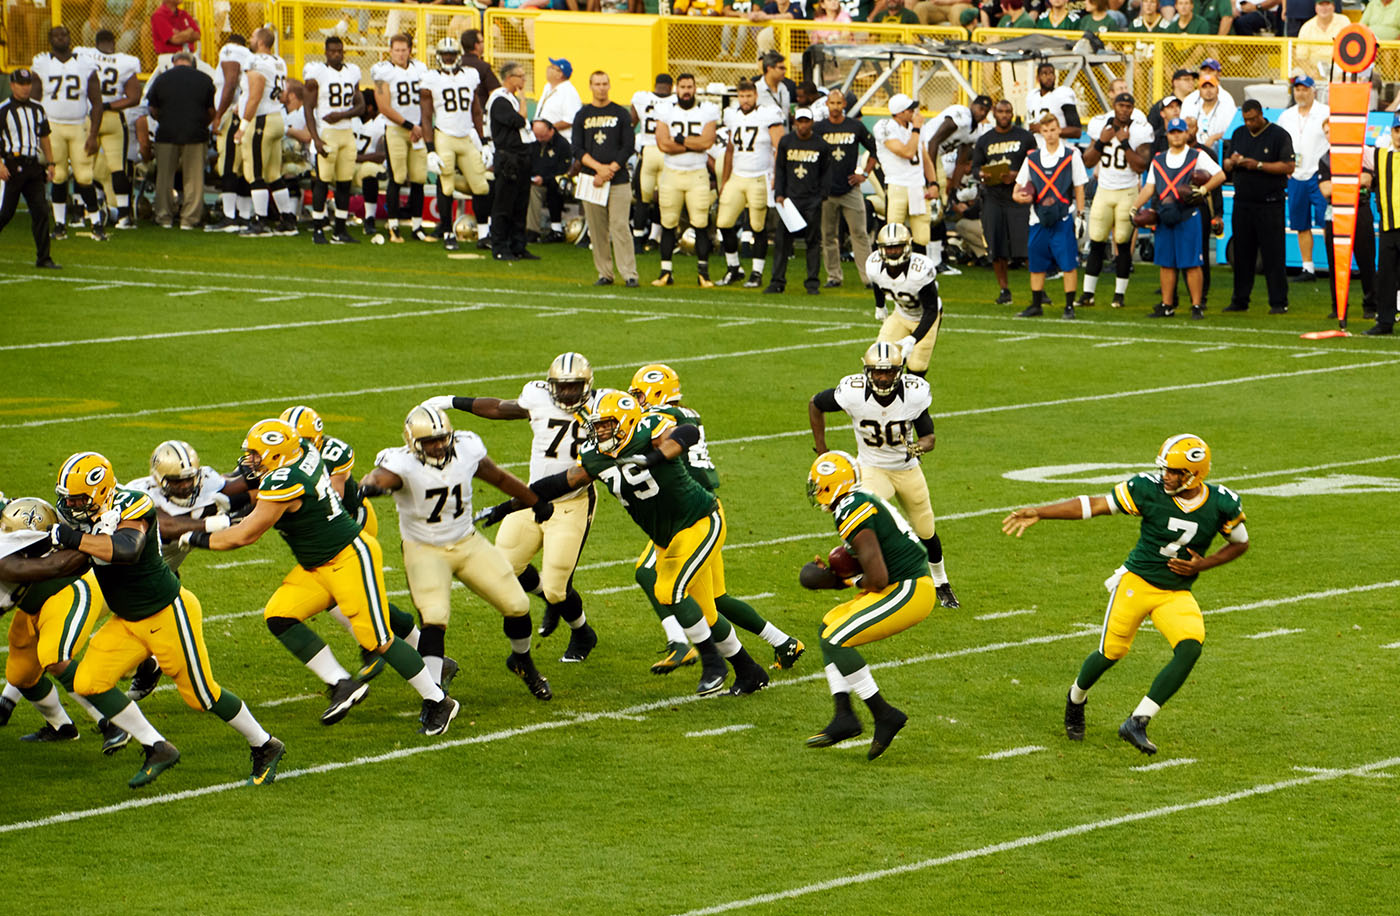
(1278,778)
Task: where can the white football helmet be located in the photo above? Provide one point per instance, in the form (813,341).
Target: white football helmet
(570,381)
(428,434)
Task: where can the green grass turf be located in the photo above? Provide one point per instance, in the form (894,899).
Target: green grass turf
(567,805)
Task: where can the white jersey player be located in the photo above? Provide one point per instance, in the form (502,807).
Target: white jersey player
(207,506)
(889,413)
(120,85)
(955,129)
(333,95)
(645,107)
(229,79)
(685,131)
(431,478)
(68,88)
(398,84)
(746,180)
(1058,100)
(260,134)
(1122,149)
(449,103)
(909,282)
(550,405)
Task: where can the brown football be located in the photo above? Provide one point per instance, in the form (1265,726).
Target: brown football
(1199,177)
(842,562)
(1145,217)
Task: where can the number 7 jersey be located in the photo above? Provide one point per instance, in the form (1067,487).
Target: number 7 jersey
(1170,525)
(435,504)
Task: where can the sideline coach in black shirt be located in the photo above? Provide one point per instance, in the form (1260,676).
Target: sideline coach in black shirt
(803,176)
(182,102)
(511,164)
(602,143)
(996,159)
(846,137)
(1260,161)
(24,134)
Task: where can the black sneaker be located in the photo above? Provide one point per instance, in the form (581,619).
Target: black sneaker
(1278,310)
(287,226)
(581,642)
(1237,307)
(224,224)
(1119,300)
(1069,313)
(59,233)
(160,757)
(1306,276)
(256,228)
(1375,330)
(318,237)
(1004,297)
(144,680)
(549,621)
(1086,300)
(344,694)
(419,235)
(885,730)
(449,672)
(1134,731)
(524,667)
(603,281)
(1030,311)
(732,275)
(945,595)
(754,281)
(527,256)
(1198,312)
(7,708)
(48,264)
(631,283)
(1368,313)
(114,738)
(438,715)
(786,655)
(832,284)
(773,289)
(1162,310)
(265,759)
(449,243)
(552,236)
(1074,719)
(343,237)
(839,729)
(98,235)
(370,229)
(65,732)
(750,682)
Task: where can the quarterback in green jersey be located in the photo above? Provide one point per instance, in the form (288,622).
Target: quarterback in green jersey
(896,592)
(1181,514)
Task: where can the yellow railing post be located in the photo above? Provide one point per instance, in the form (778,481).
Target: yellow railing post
(299,33)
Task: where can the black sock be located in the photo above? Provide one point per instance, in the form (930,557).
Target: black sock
(318,203)
(1123,266)
(878,707)
(1069,299)
(444,204)
(369,189)
(415,201)
(668,243)
(570,608)
(432,641)
(529,580)
(1093,265)
(391,199)
(842,701)
(342,204)
(516,627)
(934,547)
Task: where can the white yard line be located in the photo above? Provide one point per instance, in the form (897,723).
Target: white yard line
(1037,839)
(1113,343)
(1268,633)
(1391,645)
(719,731)
(614,590)
(1379,459)
(1000,614)
(231,564)
(1013,752)
(1017,339)
(757,597)
(1306,596)
(299,697)
(1164,764)
(1375,775)
(367,304)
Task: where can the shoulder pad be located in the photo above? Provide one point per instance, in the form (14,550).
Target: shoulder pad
(854,380)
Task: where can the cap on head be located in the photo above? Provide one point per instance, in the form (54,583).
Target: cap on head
(802,114)
(564,66)
(1303,81)
(22,76)
(1124,97)
(1176,124)
(900,103)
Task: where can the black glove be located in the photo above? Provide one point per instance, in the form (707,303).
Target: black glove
(488,517)
(61,535)
(369,490)
(544,511)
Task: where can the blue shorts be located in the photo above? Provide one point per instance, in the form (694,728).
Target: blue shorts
(1178,247)
(1054,249)
(1305,199)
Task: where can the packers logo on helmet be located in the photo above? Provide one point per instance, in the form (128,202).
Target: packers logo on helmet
(656,385)
(894,241)
(833,475)
(86,485)
(428,434)
(570,381)
(884,364)
(175,467)
(269,445)
(306,422)
(612,421)
(1188,453)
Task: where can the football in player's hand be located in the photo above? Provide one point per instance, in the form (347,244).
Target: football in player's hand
(1199,177)
(842,562)
(1146,216)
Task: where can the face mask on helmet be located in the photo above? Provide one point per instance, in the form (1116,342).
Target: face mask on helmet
(86,485)
(570,381)
(428,434)
(833,475)
(175,467)
(1188,458)
(884,364)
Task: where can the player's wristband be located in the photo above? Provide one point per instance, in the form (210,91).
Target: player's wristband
(460,403)
(430,147)
(199,539)
(407,124)
(1085,509)
(1099,146)
(216,523)
(915,130)
(858,173)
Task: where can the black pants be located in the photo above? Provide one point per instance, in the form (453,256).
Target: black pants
(27,178)
(511,204)
(1389,286)
(1258,231)
(1364,249)
(811,211)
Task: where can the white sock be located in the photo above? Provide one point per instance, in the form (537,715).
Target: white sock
(342,214)
(230,202)
(412,638)
(656,232)
(731,258)
(730,644)
(392,224)
(1146,708)
(483,229)
(11,692)
(666,267)
(132,721)
(245,207)
(60,215)
(93,712)
(283,197)
(863,683)
(758,265)
(578,621)
(1076,693)
(434,665)
(557,227)
(417,222)
(671,625)
(51,708)
(836,680)
(939,576)
(1091,282)
(248,727)
(123,201)
(772,635)
(318,215)
(935,254)
(697,632)
(1120,285)
(261,198)
(324,666)
(427,688)
(520,646)
(1308,267)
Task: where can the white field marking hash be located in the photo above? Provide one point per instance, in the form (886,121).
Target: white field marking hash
(1375,775)
(1000,614)
(1113,343)
(1267,633)
(1391,645)
(719,731)
(297,698)
(1040,838)
(1013,752)
(232,563)
(1164,764)
(757,597)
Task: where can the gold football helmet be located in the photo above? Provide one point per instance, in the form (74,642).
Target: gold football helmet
(656,385)
(686,242)
(894,241)
(86,485)
(448,47)
(306,422)
(271,444)
(570,381)
(833,475)
(175,467)
(28,513)
(884,364)
(1185,453)
(465,228)
(428,434)
(613,420)
(573,230)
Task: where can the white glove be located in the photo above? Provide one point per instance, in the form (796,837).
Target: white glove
(441,402)
(635,461)
(435,163)
(881,313)
(184,541)
(1080,224)
(488,156)
(216,523)
(906,346)
(967,195)
(108,522)
(221,502)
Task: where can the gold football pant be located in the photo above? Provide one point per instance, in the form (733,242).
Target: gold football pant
(365,170)
(338,162)
(230,161)
(462,165)
(691,565)
(175,636)
(1112,211)
(69,156)
(687,190)
(407,165)
(352,579)
(871,616)
(896,327)
(1132,599)
(262,148)
(55,634)
(476,563)
(910,488)
(562,538)
(115,139)
(897,211)
(739,193)
(649,177)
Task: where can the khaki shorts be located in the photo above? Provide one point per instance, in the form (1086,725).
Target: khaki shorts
(910,488)
(476,563)
(338,163)
(262,148)
(462,164)
(67,143)
(739,193)
(685,190)
(562,538)
(1112,211)
(406,164)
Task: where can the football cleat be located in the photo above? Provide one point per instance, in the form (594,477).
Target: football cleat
(318,237)
(1074,719)
(287,225)
(370,229)
(65,732)
(1030,311)
(754,281)
(98,235)
(1278,310)
(59,233)
(1069,313)
(1162,310)
(1134,731)
(225,224)
(438,715)
(256,228)
(160,757)
(664,280)
(523,666)
(702,279)
(713,671)
(7,708)
(371,665)
(581,642)
(346,693)
(1198,312)
(750,682)
(549,621)
(450,243)
(786,655)
(840,728)
(144,680)
(885,730)
(419,235)
(392,234)
(114,738)
(1086,300)
(732,275)
(678,655)
(449,672)
(1004,297)
(343,237)
(1119,300)
(945,595)
(265,759)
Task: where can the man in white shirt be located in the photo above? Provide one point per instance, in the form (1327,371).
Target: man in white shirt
(1209,112)
(261,131)
(1306,123)
(559,100)
(1052,180)
(685,131)
(909,176)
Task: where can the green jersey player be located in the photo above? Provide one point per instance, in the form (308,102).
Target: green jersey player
(1181,514)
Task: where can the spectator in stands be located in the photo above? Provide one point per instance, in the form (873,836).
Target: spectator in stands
(734,38)
(830,11)
(181,100)
(1058,17)
(1187,22)
(1150,18)
(1011,14)
(1219,15)
(1256,18)
(559,100)
(1099,18)
(173,29)
(1383,18)
(1167,110)
(945,12)
(1260,163)
(698,8)
(892,12)
(1316,60)
(1295,13)
(1209,114)
(777,10)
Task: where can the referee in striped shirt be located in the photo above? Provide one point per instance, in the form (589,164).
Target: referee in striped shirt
(24,133)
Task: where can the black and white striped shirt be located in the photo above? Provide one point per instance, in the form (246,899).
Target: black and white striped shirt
(22,123)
